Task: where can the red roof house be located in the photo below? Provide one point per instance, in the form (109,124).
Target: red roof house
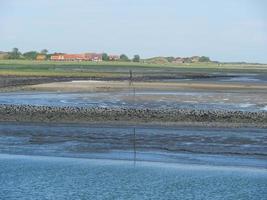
(77,57)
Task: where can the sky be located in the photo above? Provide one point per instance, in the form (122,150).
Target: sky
(224,30)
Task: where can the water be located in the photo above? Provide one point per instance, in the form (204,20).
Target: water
(27,177)
(142,99)
(74,161)
(188,145)
(59,161)
(246,78)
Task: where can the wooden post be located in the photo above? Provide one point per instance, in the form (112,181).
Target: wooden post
(134,146)
(130,77)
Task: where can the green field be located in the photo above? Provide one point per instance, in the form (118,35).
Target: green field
(117,69)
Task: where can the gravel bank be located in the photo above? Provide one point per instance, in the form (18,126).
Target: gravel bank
(29,113)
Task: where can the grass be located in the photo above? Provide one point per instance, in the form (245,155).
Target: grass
(58,74)
(133,64)
(116,69)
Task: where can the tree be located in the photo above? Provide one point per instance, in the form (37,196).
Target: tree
(170,59)
(14,54)
(15,50)
(48,56)
(44,51)
(123,57)
(204,59)
(105,57)
(31,55)
(136,58)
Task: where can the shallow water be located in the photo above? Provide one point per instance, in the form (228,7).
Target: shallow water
(211,146)
(246,78)
(32,177)
(143,99)
(74,161)
(226,77)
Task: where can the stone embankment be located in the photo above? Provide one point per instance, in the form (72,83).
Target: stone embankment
(30,113)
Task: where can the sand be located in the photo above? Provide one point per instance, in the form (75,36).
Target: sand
(86,86)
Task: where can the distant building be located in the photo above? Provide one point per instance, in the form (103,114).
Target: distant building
(41,57)
(74,57)
(195,59)
(57,57)
(178,60)
(3,55)
(77,57)
(187,60)
(113,57)
(93,56)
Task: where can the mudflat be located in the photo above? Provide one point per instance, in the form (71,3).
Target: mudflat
(78,86)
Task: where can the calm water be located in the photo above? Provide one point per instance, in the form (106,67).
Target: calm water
(30,177)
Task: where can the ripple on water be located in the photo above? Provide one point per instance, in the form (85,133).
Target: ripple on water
(264,108)
(64,178)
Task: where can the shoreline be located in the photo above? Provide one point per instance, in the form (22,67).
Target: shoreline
(162,160)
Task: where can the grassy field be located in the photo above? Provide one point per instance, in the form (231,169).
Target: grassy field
(117,69)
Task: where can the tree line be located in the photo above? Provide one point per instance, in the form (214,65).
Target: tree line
(32,55)
(122,57)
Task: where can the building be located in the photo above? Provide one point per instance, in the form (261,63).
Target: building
(179,60)
(41,57)
(74,57)
(57,57)
(3,55)
(77,57)
(93,56)
(113,57)
(195,59)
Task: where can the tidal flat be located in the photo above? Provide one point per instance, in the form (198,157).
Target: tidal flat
(175,138)
(195,145)
(207,107)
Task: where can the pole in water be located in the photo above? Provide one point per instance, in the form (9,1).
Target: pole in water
(134,95)
(134,146)
(130,77)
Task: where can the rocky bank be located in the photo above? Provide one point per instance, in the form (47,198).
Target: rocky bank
(52,114)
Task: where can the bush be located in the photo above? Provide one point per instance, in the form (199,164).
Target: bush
(125,58)
(31,55)
(204,59)
(105,57)
(14,54)
(136,58)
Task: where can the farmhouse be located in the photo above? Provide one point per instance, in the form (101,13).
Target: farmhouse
(77,57)
(93,56)
(113,57)
(195,59)
(41,57)
(74,57)
(3,55)
(179,60)
(57,57)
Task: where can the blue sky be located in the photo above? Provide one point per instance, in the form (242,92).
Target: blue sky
(225,30)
